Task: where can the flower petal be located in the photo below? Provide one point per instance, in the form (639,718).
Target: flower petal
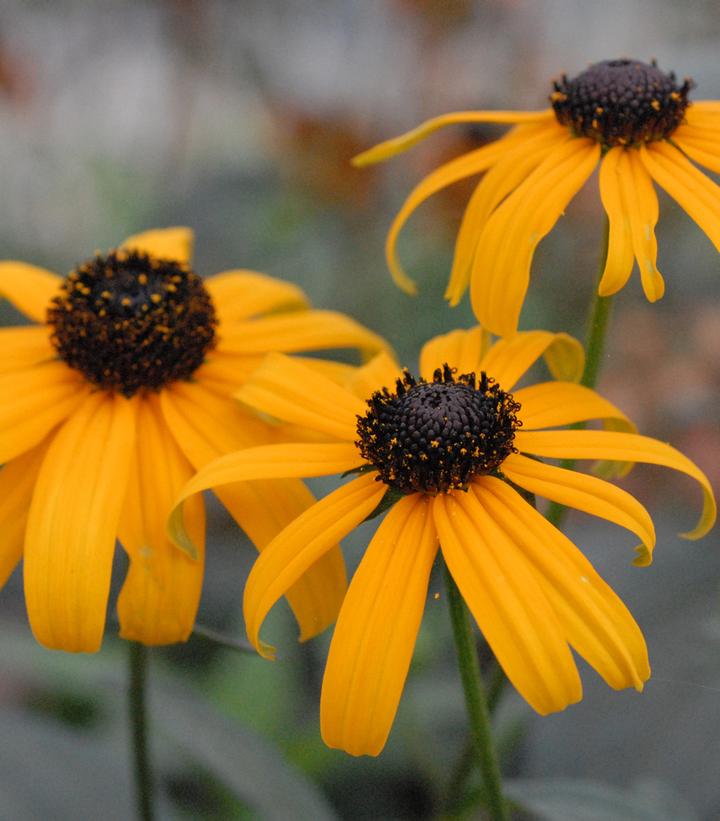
(620,447)
(620,255)
(507,601)
(551,404)
(509,359)
(374,638)
(17,483)
(24,346)
(206,427)
(241,294)
(501,267)
(587,493)
(159,599)
(389,148)
(300,545)
(291,392)
(380,372)
(28,287)
(34,401)
(596,623)
(699,146)
(163,243)
(299,331)
(73,524)
(461,349)
(693,191)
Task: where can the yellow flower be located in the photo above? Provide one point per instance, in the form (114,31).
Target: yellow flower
(453,449)
(633,119)
(110,404)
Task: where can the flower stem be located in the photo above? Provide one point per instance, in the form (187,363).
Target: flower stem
(138,723)
(598,322)
(475,701)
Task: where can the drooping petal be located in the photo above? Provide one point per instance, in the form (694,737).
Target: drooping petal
(299,331)
(17,483)
(501,267)
(174,243)
(73,524)
(461,349)
(620,254)
(595,622)
(699,145)
(24,346)
(35,400)
(291,392)
(620,447)
(502,178)
(396,145)
(300,545)
(587,493)
(374,638)
(509,359)
(508,603)
(241,294)
(552,404)
(28,287)
(161,593)
(693,191)
(206,427)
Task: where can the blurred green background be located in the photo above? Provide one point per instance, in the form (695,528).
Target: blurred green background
(239,120)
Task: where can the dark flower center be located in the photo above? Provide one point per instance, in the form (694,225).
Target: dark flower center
(433,437)
(621,102)
(129,321)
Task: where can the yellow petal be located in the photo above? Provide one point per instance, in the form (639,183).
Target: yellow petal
(701,148)
(224,373)
(551,404)
(73,522)
(301,544)
(587,493)
(373,641)
(523,156)
(206,427)
(161,593)
(299,331)
(620,255)
(24,346)
(396,145)
(241,294)
(508,603)
(501,267)
(596,623)
(380,372)
(17,483)
(509,359)
(163,243)
(620,447)
(291,392)
(693,191)
(461,349)
(28,287)
(34,401)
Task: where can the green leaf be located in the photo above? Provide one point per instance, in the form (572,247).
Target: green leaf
(388,500)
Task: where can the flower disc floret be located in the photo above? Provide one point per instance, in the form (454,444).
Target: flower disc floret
(434,437)
(621,102)
(129,321)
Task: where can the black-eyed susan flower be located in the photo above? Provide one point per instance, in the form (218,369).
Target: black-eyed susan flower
(449,451)
(110,403)
(633,119)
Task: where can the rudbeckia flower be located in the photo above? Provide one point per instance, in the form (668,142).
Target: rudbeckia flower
(108,406)
(449,452)
(633,119)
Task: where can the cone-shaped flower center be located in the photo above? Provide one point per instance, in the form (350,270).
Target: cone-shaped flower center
(130,321)
(432,437)
(621,102)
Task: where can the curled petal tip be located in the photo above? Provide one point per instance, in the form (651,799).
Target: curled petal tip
(644,556)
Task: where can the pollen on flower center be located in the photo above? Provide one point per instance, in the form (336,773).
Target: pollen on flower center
(621,102)
(433,437)
(129,321)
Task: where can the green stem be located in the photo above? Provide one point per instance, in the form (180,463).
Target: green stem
(475,701)
(598,322)
(138,723)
